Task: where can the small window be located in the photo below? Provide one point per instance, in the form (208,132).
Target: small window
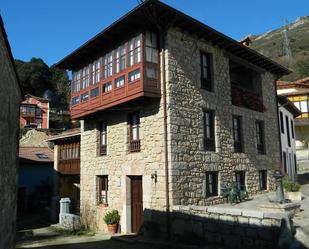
(107,87)
(263,179)
(209,130)
(94,92)
(103,138)
(260,137)
(281,123)
(135,75)
(75,100)
(240,178)
(206,71)
(102,186)
(119,82)
(237,134)
(295,164)
(134,121)
(211,183)
(84,97)
(41,156)
(288,130)
(284,161)
(292,129)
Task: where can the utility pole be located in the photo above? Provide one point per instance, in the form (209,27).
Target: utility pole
(286,42)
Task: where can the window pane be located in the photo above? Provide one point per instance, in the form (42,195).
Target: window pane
(303,106)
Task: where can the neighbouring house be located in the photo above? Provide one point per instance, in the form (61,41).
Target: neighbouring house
(67,167)
(10,98)
(34,112)
(35,181)
(287,114)
(171,110)
(298,93)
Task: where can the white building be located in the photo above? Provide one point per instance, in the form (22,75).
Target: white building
(287,112)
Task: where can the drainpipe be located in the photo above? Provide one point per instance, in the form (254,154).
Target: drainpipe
(162,46)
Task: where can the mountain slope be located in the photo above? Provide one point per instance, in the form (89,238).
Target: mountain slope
(270,44)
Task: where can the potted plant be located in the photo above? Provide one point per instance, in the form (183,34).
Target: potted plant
(112,219)
(292,190)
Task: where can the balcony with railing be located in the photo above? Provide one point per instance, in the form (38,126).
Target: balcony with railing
(129,72)
(69,159)
(247,99)
(246,87)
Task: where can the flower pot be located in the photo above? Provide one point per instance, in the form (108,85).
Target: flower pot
(293,196)
(112,228)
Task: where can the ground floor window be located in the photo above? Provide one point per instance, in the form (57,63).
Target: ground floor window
(240,178)
(263,179)
(102,186)
(211,183)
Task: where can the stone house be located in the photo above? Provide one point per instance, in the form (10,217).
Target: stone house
(34,112)
(297,92)
(171,110)
(10,97)
(288,112)
(67,167)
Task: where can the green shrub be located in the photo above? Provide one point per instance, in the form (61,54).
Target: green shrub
(291,186)
(112,217)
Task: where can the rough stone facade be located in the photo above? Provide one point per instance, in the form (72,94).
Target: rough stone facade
(188,162)
(119,164)
(10,97)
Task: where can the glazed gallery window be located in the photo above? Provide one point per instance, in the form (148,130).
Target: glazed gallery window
(209,130)
(260,137)
(211,183)
(103,138)
(119,82)
(94,92)
(107,87)
(237,134)
(102,189)
(75,100)
(206,71)
(263,179)
(151,48)
(135,75)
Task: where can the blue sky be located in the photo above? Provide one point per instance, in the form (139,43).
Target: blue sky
(51,29)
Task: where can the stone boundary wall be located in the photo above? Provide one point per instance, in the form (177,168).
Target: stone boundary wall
(70,221)
(231,227)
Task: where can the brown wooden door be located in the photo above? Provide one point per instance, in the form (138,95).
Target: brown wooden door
(136,203)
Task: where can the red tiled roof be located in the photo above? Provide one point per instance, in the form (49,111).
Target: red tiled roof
(302,83)
(37,154)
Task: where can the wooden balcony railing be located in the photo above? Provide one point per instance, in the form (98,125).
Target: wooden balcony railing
(69,166)
(135,145)
(247,99)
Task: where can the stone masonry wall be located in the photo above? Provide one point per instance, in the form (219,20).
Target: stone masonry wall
(233,228)
(9,115)
(189,161)
(119,163)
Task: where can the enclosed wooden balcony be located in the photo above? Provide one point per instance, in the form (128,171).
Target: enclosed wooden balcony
(69,159)
(126,73)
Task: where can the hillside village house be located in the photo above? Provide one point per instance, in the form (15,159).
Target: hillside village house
(34,112)
(297,92)
(67,167)
(10,98)
(287,113)
(170,111)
